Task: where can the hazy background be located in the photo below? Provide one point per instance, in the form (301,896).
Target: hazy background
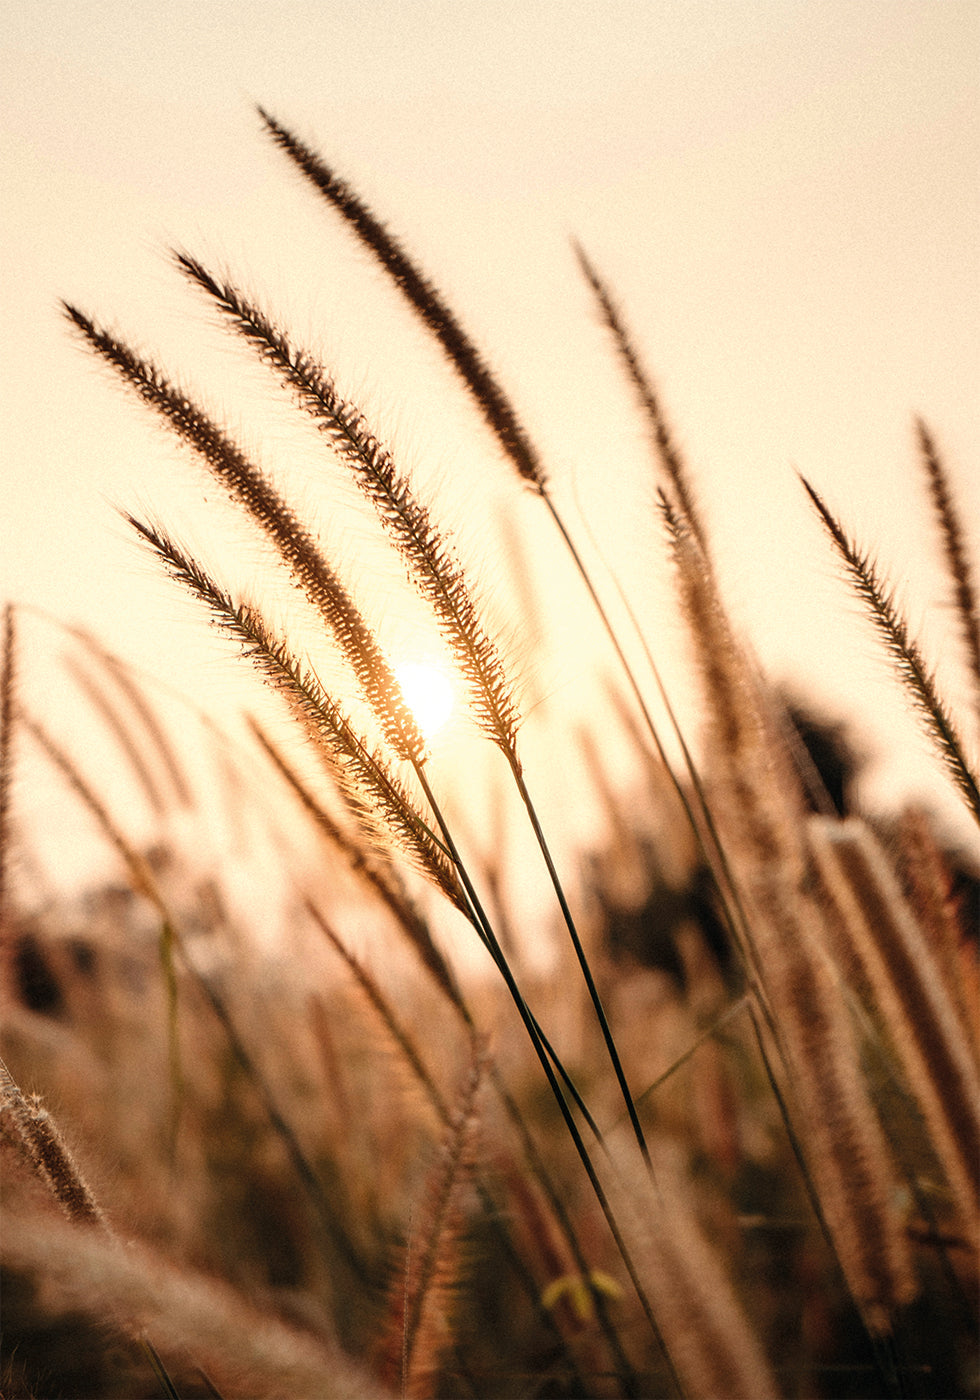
(784,195)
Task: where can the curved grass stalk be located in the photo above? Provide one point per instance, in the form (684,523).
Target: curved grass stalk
(381,878)
(424,297)
(256,494)
(649,402)
(364,776)
(412,1345)
(125,682)
(439,579)
(918,680)
(121,733)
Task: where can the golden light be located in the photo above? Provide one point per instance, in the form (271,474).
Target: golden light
(429,693)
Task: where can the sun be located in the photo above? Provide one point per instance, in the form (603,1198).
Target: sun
(429,694)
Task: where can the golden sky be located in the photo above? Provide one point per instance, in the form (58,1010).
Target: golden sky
(784,194)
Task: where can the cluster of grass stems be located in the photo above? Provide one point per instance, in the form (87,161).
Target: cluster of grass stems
(746,1169)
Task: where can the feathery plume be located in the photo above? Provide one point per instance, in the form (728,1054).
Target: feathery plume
(253,491)
(760,818)
(205,1323)
(364,776)
(918,680)
(423,297)
(427,553)
(709,1340)
(954,548)
(418,1329)
(926,875)
(48,1153)
(663,439)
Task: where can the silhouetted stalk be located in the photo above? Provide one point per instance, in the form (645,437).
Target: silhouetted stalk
(607,1034)
(439,579)
(572,1127)
(481,922)
(513,1111)
(715,853)
(424,297)
(421,940)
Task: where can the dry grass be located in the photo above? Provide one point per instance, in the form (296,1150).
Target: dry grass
(722,1144)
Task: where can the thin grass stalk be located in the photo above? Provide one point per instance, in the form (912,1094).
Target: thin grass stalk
(439,578)
(121,733)
(535,1164)
(842,1142)
(709,1033)
(917,679)
(478,917)
(545,1059)
(380,878)
(955,551)
(407,916)
(123,678)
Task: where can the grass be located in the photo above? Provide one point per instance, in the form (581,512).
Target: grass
(725,1144)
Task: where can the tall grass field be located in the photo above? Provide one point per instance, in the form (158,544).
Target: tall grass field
(571,1046)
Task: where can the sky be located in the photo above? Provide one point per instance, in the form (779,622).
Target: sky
(783,195)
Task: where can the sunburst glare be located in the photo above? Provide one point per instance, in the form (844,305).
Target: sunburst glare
(429,693)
